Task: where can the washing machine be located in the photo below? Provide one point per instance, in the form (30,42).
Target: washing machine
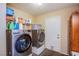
(19,42)
(38,41)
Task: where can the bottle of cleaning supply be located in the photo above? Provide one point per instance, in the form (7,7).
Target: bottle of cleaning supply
(16,25)
(9,11)
(10,25)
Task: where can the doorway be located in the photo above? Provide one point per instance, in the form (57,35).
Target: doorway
(74,33)
(53,29)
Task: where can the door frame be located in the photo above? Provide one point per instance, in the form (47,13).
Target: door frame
(69,30)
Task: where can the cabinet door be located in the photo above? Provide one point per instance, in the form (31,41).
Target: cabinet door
(75,33)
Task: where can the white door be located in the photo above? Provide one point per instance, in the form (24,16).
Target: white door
(53,40)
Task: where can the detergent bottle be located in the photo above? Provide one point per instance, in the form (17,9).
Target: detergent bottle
(16,25)
(10,25)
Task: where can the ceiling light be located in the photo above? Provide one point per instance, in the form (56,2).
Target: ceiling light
(38,4)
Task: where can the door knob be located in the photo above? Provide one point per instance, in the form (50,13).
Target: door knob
(58,36)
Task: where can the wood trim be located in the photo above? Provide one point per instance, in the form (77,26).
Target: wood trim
(8,43)
(69,29)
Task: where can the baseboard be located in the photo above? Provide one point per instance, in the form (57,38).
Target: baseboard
(64,53)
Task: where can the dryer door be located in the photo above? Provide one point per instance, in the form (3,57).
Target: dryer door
(23,43)
(41,38)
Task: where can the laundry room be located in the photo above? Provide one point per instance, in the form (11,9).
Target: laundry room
(39,29)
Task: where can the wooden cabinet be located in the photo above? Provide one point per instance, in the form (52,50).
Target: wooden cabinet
(74,32)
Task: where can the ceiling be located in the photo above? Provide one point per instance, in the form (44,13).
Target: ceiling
(35,9)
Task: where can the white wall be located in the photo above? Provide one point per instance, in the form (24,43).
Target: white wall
(2,29)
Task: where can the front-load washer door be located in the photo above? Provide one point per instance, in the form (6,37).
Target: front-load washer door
(41,38)
(23,43)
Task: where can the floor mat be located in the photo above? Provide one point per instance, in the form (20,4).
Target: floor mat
(48,52)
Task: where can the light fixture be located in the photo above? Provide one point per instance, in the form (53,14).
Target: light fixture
(38,4)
